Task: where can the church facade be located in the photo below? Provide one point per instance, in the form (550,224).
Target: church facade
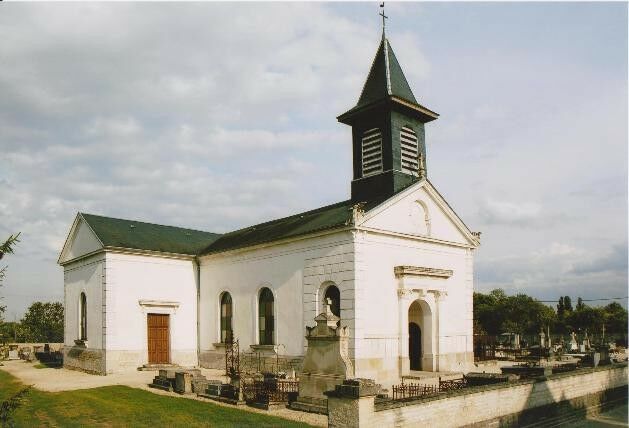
(394,260)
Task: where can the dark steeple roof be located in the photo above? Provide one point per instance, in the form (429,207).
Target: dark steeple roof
(385,78)
(386,83)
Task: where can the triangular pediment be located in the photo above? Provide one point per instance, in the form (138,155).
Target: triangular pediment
(422,212)
(81,241)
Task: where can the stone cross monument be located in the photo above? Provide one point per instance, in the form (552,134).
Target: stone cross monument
(326,363)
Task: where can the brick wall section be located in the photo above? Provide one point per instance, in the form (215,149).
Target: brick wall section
(499,403)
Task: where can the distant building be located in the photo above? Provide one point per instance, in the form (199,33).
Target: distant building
(395,259)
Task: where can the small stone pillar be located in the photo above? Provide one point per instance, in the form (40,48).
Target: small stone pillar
(183,382)
(351,404)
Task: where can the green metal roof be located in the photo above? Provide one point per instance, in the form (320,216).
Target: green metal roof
(385,78)
(386,83)
(324,218)
(115,232)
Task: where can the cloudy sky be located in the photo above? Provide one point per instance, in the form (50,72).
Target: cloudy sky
(216,116)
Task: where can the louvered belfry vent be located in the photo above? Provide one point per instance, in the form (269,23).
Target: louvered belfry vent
(372,152)
(410,151)
(388,133)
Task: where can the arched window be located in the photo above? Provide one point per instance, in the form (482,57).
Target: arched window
(333,293)
(227,333)
(409,146)
(371,145)
(266,322)
(83,317)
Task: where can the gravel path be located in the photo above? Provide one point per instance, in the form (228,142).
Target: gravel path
(61,379)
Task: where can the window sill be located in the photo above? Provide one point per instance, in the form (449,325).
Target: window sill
(263,347)
(81,343)
(220,345)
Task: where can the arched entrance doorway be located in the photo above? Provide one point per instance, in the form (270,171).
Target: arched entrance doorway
(419,336)
(414,346)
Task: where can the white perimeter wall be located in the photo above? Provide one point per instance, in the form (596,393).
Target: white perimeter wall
(132,278)
(296,272)
(86,276)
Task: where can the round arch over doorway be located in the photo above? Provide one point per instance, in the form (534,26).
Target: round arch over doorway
(420,336)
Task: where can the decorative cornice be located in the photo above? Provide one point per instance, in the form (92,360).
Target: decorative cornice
(421,271)
(159,303)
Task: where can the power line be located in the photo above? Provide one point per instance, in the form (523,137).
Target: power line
(590,300)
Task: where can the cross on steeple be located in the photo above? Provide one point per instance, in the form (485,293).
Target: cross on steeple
(383,17)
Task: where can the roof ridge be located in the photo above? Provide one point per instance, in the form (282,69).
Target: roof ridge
(387,66)
(147,223)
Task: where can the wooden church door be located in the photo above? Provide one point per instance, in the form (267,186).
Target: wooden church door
(158,338)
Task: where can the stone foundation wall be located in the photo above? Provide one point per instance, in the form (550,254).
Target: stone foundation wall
(252,362)
(562,395)
(385,371)
(212,359)
(87,360)
(53,346)
(129,360)
(457,362)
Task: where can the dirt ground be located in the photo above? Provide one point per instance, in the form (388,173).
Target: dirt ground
(60,379)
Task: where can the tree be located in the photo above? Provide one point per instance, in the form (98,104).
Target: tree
(11,332)
(567,303)
(615,319)
(580,304)
(497,313)
(43,322)
(6,248)
(561,307)
(487,315)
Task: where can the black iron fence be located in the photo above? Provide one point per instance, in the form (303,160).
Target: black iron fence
(269,391)
(452,384)
(407,391)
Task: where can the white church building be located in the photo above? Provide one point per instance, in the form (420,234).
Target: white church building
(395,260)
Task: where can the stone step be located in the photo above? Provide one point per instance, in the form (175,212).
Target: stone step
(152,367)
(309,407)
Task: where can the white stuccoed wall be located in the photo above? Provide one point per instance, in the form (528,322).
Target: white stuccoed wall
(135,278)
(86,276)
(378,313)
(414,230)
(294,271)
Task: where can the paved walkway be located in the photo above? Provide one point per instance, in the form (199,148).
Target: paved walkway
(61,379)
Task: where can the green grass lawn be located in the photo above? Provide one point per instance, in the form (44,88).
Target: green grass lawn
(124,406)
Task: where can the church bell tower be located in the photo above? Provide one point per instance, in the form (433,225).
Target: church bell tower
(389,147)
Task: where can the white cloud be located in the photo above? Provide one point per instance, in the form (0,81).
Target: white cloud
(503,212)
(216,116)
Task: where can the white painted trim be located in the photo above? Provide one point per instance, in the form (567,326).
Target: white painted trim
(246,249)
(146,304)
(414,237)
(438,199)
(132,252)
